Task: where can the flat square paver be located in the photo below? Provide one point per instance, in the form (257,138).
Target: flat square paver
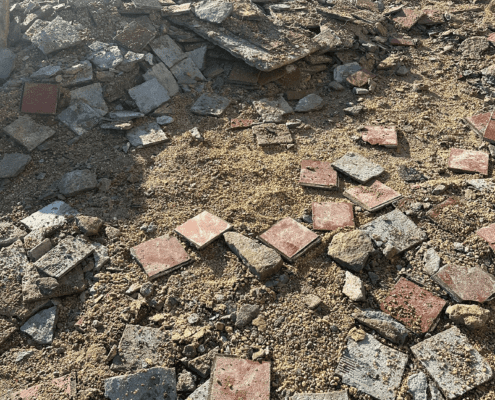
(358,167)
(290,238)
(210,104)
(28,133)
(147,135)
(271,134)
(396,229)
(374,197)
(39,98)
(479,122)
(64,256)
(135,37)
(466,284)
(488,132)
(435,213)
(418,309)
(452,362)
(203,229)
(470,161)
(149,95)
(160,256)
(235,378)
(488,233)
(65,386)
(318,174)
(371,367)
(331,216)
(53,214)
(381,135)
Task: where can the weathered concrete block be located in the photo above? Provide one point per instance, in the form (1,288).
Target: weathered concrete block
(41,326)
(149,95)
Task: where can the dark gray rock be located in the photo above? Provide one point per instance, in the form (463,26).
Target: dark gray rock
(7,60)
(13,164)
(164,77)
(245,314)
(78,181)
(80,117)
(105,56)
(186,72)
(41,326)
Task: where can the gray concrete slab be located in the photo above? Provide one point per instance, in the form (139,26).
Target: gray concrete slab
(186,72)
(41,326)
(147,135)
(78,181)
(92,95)
(28,133)
(149,95)
(210,104)
(80,117)
(164,77)
(358,167)
(167,50)
(13,164)
(52,215)
(57,35)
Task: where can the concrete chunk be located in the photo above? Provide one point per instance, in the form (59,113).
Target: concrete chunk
(358,167)
(52,215)
(432,262)
(154,383)
(149,95)
(213,11)
(198,56)
(164,77)
(418,386)
(135,37)
(210,104)
(41,326)
(78,181)
(80,117)
(64,257)
(272,110)
(384,324)
(262,261)
(28,133)
(13,164)
(9,233)
(92,95)
(147,135)
(351,250)
(167,50)
(309,103)
(105,56)
(354,287)
(57,35)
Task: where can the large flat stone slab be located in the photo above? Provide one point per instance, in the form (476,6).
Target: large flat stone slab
(41,326)
(164,77)
(52,215)
(271,134)
(80,117)
(213,11)
(147,135)
(135,37)
(395,229)
(203,229)
(57,35)
(272,111)
(452,362)
(28,133)
(64,256)
(154,383)
(160,256)
(418,309)
(186,72)
(232,376)
(371,367)
(289,238)
(149,95)
(92,95)
(210,104)
(13,164)
(358,167)
(167,50)
(262,261)
(351,250)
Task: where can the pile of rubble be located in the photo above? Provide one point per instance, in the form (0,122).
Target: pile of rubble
(382,287)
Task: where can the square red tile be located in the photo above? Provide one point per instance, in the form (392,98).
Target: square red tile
(39,98)
(466,284)
(238,123)
(489,131)
(479,122)
(203,229)
(239,379)
(374,197)
(318,174)
(381,135)
(67,384)
(434,213)
(160,256)
(470,161)
(360,78)
(289,238)
(488,233)
(331,216)
(415,307)
(408,17)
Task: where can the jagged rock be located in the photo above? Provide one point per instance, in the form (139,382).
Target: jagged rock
(186,382)
(384,324)
(213,10)
(432,262)
(89,225)
(309,103)
(418,386)
(351,250)
(354,287)
(245,314)
(41,326)
(472,316)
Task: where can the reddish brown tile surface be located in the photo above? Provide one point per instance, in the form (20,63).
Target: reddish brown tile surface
(360,78)
(64,385)
(489,131)
(331,216)
(491,37)
(374,197)
(203,229)
(478,122)
(239,379)
(402,42)
(289,238)
(434,213)
(381,135)
(238,123)
(488,233)
(431,17)
(318,174)
(466,284)
(408,17)
(39,98)
(471,161)
(414,306)
(160,256)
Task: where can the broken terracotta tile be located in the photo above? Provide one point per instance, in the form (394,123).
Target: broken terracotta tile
(488,233)
(372,198)
(489,132)
(431,17)
(360,78)
(289,238)
(491,37)
(203,229)
(160,256)
(331,216)
(478,123)
(454,364)
(408,17)
(470,161)
(414,306)
(402,42)
(235,378)
(381,135)
(39,98)
(318,174)
(466,284)
(239,123)
(434,213)
(270,134)
(65,385)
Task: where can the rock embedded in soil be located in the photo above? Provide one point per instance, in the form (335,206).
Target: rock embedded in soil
(354,287)
(245,314)
(78,181)
(262,261)
(309,103)
(351,250)
(41,326)
(186,382)
(470,315)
